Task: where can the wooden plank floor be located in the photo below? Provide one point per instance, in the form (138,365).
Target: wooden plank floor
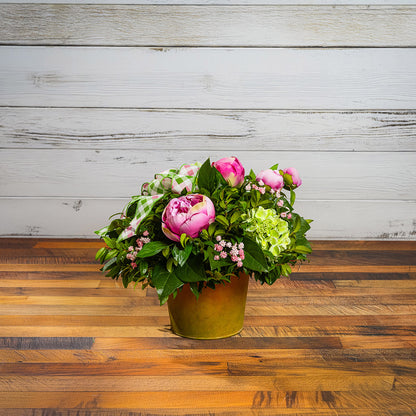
(338,338)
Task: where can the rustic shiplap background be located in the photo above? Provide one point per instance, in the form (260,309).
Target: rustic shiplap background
(97,96)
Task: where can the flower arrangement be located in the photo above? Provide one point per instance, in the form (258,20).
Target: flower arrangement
(202,224)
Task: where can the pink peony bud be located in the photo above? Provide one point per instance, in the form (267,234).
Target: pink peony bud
(231,169)
(272,178)
(291,177)
(189,214)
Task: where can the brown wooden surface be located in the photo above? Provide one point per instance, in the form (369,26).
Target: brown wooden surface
(337,339)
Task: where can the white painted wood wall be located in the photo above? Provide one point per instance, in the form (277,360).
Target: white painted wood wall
(97,96)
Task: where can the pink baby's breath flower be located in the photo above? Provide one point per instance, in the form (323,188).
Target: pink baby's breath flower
(133,265)
(289,215)
(218,247)
(260,182)
(131,248)
(229,245)
(255,187)
(139,243)
(223,243)
(216,257)
(283,214)
(218,238)
(241,246)
(248,187)
(234,258)
(242,256)
(241,252)
(234,251)
(262,190)
(280,203)
(145,240)
(146,233)
(223,254)
(240,264)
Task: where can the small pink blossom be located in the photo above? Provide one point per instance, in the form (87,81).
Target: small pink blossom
(240,264)
(223,254)
(234,258)
(255,187)
(133,265)
(218,247)
(289,215)
(241,252)
(260,182)
(241,246)
(131,248)
(234,251)
(223,243)
(248,187)
(283,214)
(146,233)
(218,238)
(216,257)
(139,243)
(242,256)
(280,203)
(262,190)
(229,245)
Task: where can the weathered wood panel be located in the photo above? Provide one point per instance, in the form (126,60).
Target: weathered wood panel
(80,217)
(144,25)
(220,2)
(228,130)
(248,78)
(110,173)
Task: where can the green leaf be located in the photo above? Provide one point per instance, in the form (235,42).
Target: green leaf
(100,253)
(165,283)
(252,175)
(181,255)
(292,197)
(109,264)
(236,216)
(304,226)
(286,269)
(110,254)
(143,266)
(192,271)
(102,232)
(222,220)
(194,289)
(152,248)
(254,257)
(207,176)
(302,249)
(274,167)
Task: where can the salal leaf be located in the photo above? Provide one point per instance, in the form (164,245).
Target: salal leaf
(152,248)
(254,258)
(181,255)
(165,282)
(192,271)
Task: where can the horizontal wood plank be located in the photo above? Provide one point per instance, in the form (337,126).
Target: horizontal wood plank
(114,173)
(169,25)
(249,78)
(135,129)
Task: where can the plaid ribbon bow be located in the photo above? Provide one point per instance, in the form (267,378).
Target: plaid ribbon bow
(175,180)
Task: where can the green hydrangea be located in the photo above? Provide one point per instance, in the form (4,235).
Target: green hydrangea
(269,230)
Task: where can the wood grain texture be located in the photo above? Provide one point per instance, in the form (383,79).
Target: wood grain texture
(76,345)
(136,129)
(85,173)
(245,78)
(80,217)
(144,25)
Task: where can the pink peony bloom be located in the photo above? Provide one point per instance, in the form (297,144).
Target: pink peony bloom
(231,169)
(189,214)
(272,178)
(291,177)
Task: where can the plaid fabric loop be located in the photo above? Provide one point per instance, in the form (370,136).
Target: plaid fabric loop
(175,180)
